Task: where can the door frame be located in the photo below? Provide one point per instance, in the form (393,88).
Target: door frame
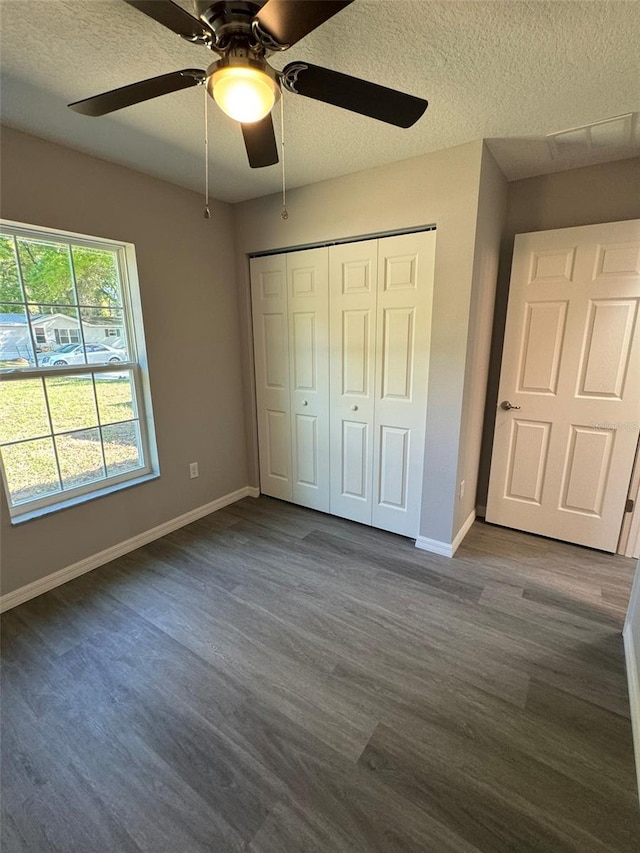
(629,542)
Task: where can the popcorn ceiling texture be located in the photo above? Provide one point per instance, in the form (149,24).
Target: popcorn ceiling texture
(509,72)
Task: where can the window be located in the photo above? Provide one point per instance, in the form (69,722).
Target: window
(75,416)
(67,336)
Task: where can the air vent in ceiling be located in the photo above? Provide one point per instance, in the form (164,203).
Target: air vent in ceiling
(617,132)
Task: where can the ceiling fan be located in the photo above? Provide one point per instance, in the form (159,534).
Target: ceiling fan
(243,33)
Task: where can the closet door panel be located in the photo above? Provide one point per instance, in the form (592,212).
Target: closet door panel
(271,352)
(355,450)
(397,352)
(394,467)
(353,282)
(308,300)
(405,289)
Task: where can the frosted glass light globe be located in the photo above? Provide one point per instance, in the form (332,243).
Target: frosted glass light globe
(246,94)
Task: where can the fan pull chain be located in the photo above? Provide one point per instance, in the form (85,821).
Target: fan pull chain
(284,213)
(207,212)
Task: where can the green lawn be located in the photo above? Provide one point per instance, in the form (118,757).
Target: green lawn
(30,466)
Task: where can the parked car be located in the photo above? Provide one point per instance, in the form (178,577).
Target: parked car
(75,354)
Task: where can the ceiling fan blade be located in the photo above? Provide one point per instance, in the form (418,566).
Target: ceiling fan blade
(287,21)
(353,94)
(173,17)
(260,142)
(135,93)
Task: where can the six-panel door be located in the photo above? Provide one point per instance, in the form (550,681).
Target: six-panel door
(308,297)
(405,289)
(353,274)
(562,460)
(271,355)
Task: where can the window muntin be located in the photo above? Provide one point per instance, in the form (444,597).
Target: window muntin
(74,403)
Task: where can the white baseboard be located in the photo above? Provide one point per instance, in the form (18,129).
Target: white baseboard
(446,549)
(31,590)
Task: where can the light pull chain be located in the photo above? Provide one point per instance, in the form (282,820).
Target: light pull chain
(207,212)
(284,213)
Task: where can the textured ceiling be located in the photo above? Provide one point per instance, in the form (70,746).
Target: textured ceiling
(509,72)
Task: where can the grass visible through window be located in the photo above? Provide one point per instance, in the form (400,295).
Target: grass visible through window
(29,465)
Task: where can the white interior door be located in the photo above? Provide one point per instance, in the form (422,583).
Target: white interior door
(405,292)
(271,351)
(353,276)
(308,282)
(562,459)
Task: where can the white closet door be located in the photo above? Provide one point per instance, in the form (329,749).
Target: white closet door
(271,350)
(353,276)
(308,284)
(405,289)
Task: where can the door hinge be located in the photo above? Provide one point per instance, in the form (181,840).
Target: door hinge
(628,507)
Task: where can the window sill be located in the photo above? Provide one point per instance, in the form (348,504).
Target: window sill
(30,515)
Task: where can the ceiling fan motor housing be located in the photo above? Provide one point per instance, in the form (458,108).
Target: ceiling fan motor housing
(231,22)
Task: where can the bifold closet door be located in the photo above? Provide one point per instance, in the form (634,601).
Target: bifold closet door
(353,276)
(342,341)
(403,336)
(271,351)
(308,285)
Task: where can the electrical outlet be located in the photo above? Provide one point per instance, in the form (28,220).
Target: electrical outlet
(193,470)
(461,491)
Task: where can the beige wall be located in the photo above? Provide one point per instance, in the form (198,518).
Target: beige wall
(439,188)
(199,349)
(606,193)
(492,206)
(188,287)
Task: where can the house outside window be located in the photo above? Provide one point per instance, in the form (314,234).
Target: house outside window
(75,415)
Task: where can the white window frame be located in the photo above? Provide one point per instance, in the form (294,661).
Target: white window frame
(137,366)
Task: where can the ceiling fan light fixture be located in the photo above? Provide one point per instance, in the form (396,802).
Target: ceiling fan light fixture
(244,90)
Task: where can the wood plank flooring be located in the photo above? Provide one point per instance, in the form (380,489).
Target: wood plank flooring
(274,680)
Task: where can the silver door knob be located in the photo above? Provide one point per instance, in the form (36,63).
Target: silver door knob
(354,408)
(506,405)
(305,403)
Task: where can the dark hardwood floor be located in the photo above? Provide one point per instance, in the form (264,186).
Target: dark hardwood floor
(274,680)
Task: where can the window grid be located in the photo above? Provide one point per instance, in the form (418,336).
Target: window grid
(120,308)
(53,441)
(124,306)
(67,432)
(16,255)
(99,425)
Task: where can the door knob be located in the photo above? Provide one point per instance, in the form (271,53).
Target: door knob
(305,403)
(506,405)
(354,408)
